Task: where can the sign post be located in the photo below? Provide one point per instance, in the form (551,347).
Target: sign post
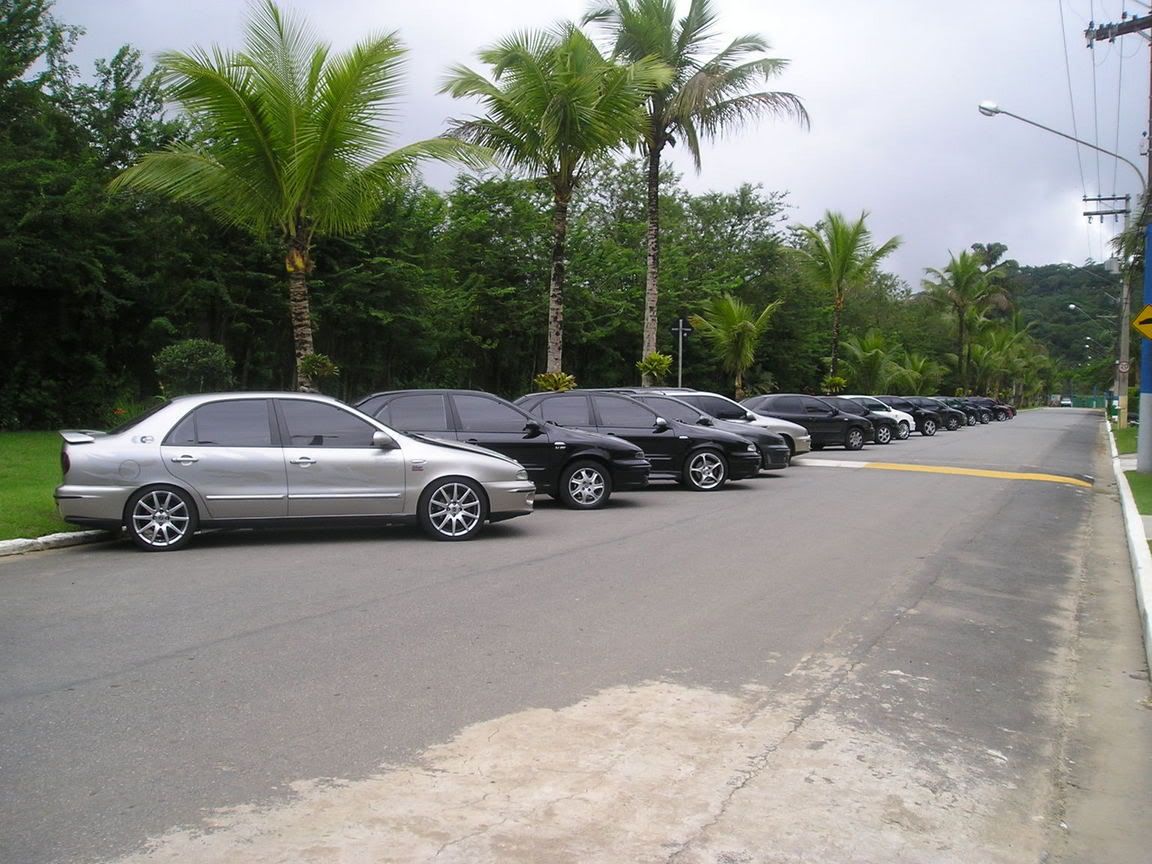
(681,329)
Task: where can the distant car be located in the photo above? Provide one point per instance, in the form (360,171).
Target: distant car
(886,428)
(699,458)
(1065,402)
(905,422)
(972,413)
(246,459)
(580,469)
(828,425)
(950,418)
(774,450)
(1001,410)
(927,419)
(722,408)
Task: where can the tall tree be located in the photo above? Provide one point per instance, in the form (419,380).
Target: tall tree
(704,97)
(294,142)
(839,256)
(967,289)
(554,105)
(732,330)
(871,360)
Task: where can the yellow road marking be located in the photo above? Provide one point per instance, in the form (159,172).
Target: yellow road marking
(980,472)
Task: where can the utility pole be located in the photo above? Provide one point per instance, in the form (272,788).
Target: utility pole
(1110,32)
(1124,363)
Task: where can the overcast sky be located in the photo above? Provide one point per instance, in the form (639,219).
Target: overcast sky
(892,87)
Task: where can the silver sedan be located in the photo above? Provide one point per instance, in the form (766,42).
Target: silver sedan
(237,459)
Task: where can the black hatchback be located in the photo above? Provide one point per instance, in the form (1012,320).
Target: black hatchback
(580,469)
(886,428)
(698,457)
(827,424)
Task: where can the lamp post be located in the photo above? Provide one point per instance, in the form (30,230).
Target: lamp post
(1144,439)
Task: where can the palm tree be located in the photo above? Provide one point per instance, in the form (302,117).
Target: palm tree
(555,105)
(704,98)
(870,361)
(916,374)
(294,142)
(968,289)
(839,256)
(733,330)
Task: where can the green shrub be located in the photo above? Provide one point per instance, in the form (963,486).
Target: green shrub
(557,381)
(193,366)
(655,367)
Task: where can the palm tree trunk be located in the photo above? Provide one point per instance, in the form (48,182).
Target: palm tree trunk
(837,308)
(556,285)
(652,279)
(961,353)
(298,263)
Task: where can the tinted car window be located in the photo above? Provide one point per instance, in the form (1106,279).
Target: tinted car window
(851,406)
(420,412)
(566,410)
(792,404)
(481,414)
(671,409)
(235,423)
(617,411)
(718,407)
(314,424)
(815,406)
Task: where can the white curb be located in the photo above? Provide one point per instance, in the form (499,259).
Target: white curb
(1137,549)
(51,541)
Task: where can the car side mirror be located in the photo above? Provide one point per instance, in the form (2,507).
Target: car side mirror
(705,420)
(661,424)
(749,416)
(532,427)
(384,441)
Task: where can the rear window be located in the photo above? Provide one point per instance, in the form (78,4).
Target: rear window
(140,418)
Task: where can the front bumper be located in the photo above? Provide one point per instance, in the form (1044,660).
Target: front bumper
(630,473)
(802,445)
(743,465)
(507,500)
(775,457)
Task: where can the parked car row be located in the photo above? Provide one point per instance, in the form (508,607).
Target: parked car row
(449,460)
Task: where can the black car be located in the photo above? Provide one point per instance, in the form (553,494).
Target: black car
(950,418)
(701,458)
(774,450)
(927,419)
(1001,411)
(827,424)
(973,413)
(580,469)
(886,429)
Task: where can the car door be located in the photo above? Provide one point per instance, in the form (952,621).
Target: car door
(491,422)
(421,413)
(825,421)
(628,419)
(334,468)
(227,453)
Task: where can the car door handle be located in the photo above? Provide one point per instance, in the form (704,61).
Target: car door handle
(472,441)
(303,461)
(185,459)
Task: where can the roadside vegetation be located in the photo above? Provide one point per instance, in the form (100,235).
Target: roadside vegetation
(29,470)
(371,280)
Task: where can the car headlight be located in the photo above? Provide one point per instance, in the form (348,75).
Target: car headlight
(522,474)
(752,448)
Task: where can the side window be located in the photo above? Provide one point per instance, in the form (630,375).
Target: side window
(317,424)
(482,414)
(420,412)
(719,407)
(788,404)
(670,409)
(616,411)
(233,423)
(566,410)
(815,406)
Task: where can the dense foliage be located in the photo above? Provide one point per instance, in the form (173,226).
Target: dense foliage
(448,288)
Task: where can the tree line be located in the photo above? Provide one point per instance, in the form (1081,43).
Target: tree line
(129,230)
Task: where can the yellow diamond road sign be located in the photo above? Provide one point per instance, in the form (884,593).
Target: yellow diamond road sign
(1143,321)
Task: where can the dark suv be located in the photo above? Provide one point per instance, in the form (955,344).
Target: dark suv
(927,419)
(827,424)
(580,469)
(774,450)
(701,458)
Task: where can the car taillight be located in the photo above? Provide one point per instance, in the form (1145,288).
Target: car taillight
(65,462)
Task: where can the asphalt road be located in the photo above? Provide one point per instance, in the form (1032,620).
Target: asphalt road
(815,662)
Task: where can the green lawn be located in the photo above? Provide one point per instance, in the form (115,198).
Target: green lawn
(29,471)
(1125,440)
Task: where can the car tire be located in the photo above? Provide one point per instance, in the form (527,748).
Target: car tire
(985,417)
(452,508)
(1001,416)
(971,419)
(902,431)
(161,519)
(883,434)
(951,424)
(928,428)
(854,439)
(705,471)
(584,485)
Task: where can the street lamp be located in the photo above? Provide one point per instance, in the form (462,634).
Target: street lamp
(1144,441)
(1095,318)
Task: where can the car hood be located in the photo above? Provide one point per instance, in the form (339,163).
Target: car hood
(458,445)
(583,436)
